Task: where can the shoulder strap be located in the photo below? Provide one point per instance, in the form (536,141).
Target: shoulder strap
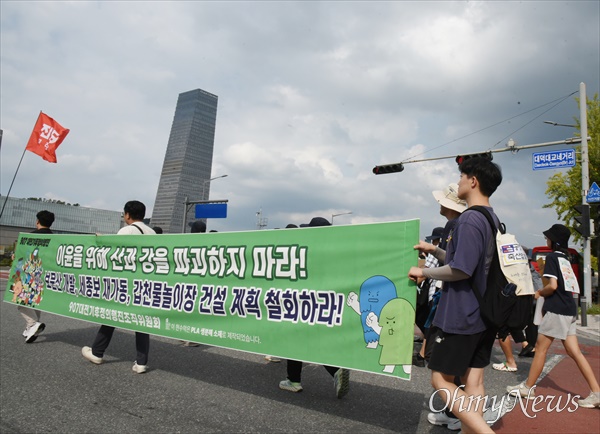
(483,210)
(502,229)
(137,227)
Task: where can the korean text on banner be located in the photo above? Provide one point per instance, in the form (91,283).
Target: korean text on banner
(336,295)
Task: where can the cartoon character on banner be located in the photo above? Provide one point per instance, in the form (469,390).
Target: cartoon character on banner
(28,286)
(17,289)
(386,321)
(375,292)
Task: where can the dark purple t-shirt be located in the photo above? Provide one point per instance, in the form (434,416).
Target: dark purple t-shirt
(470,250)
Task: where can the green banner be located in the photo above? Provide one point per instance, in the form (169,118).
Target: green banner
(336,295)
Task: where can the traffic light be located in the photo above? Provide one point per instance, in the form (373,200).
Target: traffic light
(460,158)
(388,168)
(583,219)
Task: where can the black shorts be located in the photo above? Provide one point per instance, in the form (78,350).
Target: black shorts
(518,336)
(453,354)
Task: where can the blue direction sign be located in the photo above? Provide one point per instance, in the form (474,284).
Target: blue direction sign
(554,159)
(211,210)
(593,195)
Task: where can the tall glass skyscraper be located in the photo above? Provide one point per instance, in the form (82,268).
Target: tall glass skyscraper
(188,160)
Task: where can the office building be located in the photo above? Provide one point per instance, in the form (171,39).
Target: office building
(188,160)
(20,216)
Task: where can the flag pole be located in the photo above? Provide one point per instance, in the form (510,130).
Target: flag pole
(11,184)
(14,177)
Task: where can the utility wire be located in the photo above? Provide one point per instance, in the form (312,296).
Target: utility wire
(535,118)
(555,102)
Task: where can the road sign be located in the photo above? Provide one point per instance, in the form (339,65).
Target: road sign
(593,195)
(211,210)
(554,159)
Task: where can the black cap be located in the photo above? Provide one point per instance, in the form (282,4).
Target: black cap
(436,234)
(316,221)
(558,234)
(198,227)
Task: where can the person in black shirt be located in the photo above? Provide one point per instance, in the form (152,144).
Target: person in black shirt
(32,316)
(559,310)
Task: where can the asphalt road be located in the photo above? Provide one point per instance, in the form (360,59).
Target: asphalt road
(47,386)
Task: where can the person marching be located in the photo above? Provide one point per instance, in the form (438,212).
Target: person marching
(133,214)
(33,325)
(559,316)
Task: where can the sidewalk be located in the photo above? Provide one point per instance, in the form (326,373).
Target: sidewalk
(592,330)
(557,412)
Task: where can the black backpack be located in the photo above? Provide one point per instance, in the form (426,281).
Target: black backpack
(501,309)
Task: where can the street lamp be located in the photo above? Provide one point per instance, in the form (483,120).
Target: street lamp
(207,181)
(335,215)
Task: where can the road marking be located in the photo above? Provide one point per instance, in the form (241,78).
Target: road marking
(508,404)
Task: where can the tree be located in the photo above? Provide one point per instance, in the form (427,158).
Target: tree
(565,189)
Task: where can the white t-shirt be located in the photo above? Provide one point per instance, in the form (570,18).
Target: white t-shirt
(132,229)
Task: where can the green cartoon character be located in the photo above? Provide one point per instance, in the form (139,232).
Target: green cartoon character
(395,334)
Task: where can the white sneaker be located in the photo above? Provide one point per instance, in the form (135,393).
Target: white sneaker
(290,385)
(521,391)
(86,352)
(454,425)
(190,344)
(139,369)
(591,401)
(341,382)
(272,359)
(441,418)
(34,331)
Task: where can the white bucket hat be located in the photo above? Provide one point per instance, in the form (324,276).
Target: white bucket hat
(449,198)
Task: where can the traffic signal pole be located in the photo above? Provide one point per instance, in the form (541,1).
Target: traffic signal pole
(585,186)
(399,167)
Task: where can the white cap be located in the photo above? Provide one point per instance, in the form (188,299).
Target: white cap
(449,198)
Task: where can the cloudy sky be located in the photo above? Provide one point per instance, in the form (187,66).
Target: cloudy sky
(312,95)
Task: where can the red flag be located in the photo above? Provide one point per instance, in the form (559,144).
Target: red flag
(47,135)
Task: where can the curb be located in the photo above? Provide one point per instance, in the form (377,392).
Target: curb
(592,330)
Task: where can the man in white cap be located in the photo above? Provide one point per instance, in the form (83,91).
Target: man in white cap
(426,289)
(451,207)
